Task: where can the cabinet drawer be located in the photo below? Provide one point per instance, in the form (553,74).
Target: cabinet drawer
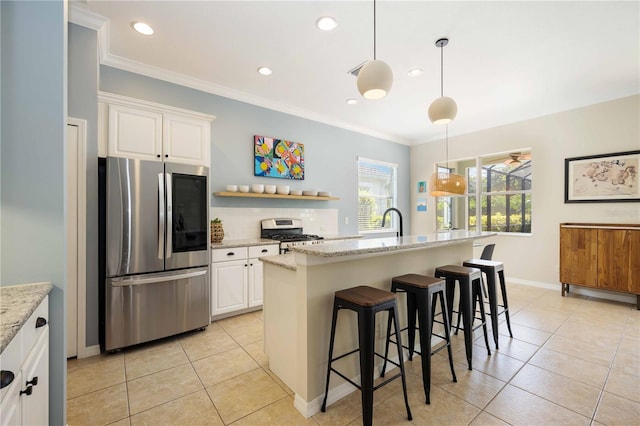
(224,255)
(260,251)
(30,331)
(11,360)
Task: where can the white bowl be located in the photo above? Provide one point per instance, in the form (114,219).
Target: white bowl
(324,194)
(243,188)
(282,189)
(270,189)
(295,192)
(258,188)
(232,188)
(310,193)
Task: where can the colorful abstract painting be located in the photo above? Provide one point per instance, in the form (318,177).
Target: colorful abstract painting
(278,158)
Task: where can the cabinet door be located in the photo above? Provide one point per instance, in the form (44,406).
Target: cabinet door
(186,139)
(135,133)
(10,409)
(619,259)
(35,407)
(578,256)
(228,286)
(256,269)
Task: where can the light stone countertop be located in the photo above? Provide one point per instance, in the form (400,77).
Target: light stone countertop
(341,237)
(225,244)
(382,245)
(17,303)
(286,261)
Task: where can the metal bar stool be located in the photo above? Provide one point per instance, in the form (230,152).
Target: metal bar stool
(490,268)
(422,292)
(469,280)
(366,302)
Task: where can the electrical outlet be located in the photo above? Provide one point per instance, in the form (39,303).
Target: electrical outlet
(346,220)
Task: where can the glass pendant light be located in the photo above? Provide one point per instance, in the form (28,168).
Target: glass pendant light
(375,78)
(444,109)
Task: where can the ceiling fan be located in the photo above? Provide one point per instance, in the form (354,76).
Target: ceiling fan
(516,158)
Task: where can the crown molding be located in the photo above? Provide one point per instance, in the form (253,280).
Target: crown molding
(83,17)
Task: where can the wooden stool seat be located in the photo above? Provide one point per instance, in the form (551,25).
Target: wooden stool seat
(416,280)
(366,302)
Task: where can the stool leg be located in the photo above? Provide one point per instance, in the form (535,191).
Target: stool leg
(493,303)
(450,284)
(459,316)
(503,289)
(333,334)
(447,336)
(424,321)
(478,298)
(467,321)
(386,347)
(366,334)
(401,362)
(411,322)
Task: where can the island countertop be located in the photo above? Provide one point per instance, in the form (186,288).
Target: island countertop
(17,303)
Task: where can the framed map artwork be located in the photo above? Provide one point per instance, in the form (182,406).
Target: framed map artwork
(278,158)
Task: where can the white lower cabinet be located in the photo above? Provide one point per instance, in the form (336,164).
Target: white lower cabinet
(25,401)
(236,278)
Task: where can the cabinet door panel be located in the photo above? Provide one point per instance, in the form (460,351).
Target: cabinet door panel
(616,260)
(578,256)
(186,139)
(135,133)
(10,409)
(256,279)
(228,286)
(634,262)
(35,407)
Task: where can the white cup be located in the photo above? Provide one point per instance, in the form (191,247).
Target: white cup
(258,188)
(270,189)
(232,188)
(243,188)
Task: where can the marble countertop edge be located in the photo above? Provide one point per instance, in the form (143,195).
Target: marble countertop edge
(17,303)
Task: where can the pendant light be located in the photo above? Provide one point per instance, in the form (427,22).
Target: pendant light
(444,109)
(442,184)
(375,77)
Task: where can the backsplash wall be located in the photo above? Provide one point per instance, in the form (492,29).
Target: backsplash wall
(244,223)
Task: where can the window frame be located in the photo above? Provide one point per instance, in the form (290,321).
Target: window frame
(394,224)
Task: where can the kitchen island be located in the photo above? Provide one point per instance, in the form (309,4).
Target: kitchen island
(298,301)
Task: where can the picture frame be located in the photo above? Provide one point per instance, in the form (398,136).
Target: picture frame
(604,178)
(278,158)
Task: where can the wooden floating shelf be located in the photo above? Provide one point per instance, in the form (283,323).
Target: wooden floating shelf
(284,197)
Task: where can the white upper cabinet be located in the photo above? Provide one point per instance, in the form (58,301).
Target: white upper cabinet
(144,130)
(135,133)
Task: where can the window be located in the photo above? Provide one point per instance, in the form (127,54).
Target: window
(502,197)
(376,193)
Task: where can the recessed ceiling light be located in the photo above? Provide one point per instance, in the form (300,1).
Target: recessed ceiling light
(351,101)
(143,28)
(326,23)
(265,70)
(415,72)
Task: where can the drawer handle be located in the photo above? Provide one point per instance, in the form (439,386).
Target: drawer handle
(28,391)
(6,377)
(231,253)
(265,251)
(41,322)
(33,381)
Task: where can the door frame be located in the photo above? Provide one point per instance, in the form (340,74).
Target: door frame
(81,302)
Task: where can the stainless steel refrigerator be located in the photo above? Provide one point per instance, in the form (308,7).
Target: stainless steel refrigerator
(157,251)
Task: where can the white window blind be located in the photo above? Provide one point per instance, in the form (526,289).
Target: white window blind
(376,193)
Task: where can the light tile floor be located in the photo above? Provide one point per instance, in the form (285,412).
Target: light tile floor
(573,360)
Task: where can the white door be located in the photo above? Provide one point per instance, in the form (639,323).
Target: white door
(72,240)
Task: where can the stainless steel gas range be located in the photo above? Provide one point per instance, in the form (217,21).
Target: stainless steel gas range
(288,232)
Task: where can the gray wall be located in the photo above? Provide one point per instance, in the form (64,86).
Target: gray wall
(83,103)
(32,174)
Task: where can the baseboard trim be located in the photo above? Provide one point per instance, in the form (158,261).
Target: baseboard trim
(89,351)
(583,291)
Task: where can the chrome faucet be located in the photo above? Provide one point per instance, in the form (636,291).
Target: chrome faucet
(384,215)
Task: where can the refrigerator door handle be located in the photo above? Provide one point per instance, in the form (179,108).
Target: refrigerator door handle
(161,216)
(169,229)
(123,282)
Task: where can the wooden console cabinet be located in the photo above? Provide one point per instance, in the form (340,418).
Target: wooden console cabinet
(602,256)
